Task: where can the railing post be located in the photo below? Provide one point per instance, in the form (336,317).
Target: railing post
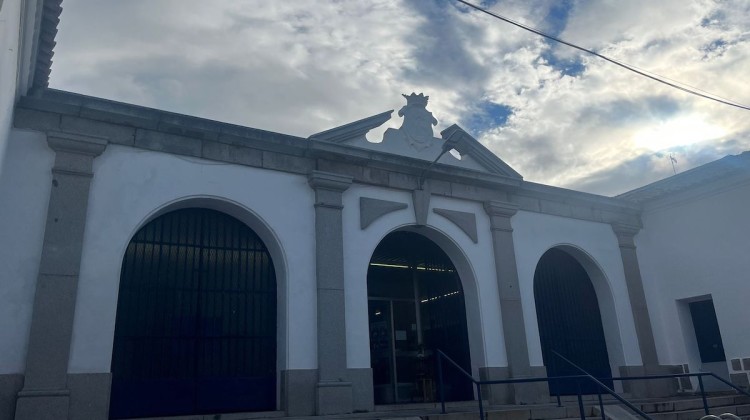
(481,403)
(580,400)
(557,391)
(703,394)
(440,381)
(601,404)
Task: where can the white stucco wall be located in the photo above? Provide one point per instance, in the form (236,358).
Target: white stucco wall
(696,248)
(474,262)
(25,183)
(599,253)
(10,21)
(130,186)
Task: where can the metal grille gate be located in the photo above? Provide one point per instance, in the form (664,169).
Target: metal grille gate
(196,319)
(569,322)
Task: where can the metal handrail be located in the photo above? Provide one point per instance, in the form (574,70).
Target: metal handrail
(604,387)
(478,384)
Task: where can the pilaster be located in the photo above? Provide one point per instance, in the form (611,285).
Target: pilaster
(655,388)
(514,328)
(334,389)
(45,393)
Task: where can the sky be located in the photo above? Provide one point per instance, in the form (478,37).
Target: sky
(556,115)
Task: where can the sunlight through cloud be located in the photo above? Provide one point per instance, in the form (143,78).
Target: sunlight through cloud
(677,132)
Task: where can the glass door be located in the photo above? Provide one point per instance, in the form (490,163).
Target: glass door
(405,348)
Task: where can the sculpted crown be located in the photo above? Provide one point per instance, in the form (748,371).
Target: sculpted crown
(415,99)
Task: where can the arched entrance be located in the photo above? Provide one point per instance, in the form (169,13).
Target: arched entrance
(416,306)
(196,319)
(570,322)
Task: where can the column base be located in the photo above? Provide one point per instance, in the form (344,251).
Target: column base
(298,391)
(334,397)
(43,404)
(10,385)
(363,397)
(523,393)
(653,388)
(496,394)
(89,395)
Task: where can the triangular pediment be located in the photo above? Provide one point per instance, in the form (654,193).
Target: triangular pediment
(415,139)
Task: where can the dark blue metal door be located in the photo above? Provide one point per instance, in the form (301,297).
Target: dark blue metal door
(569,323)
(196,319)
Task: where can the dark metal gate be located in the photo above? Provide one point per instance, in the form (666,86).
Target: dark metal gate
(196,319)
(569,322)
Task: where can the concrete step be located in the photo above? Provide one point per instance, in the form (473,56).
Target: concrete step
(690,403)
(685,408)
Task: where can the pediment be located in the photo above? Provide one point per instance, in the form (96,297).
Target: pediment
(415,139)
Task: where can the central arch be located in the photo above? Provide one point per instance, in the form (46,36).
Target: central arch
(195,330)
(416,305)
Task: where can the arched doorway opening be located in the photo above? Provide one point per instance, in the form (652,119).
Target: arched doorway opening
(416,306)
(570,322)
(195,331)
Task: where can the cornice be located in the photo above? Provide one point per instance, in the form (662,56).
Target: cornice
(354,129)
(151,129)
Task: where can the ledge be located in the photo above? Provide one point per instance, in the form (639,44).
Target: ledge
(151,129)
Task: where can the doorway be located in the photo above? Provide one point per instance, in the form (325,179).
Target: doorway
(570,323)
(708,340)
(416,306)
(195,331)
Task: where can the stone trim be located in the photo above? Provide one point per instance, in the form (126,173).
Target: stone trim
(465,221)
(421,204)
(150,129)
(478,152)
(45,393)
(329,181)
(500,214)
(514,325)
(333,389)
(371,209)
(352,130)
(625,234)
(653,388)
(636,294)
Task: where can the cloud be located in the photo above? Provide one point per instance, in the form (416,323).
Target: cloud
(557,116)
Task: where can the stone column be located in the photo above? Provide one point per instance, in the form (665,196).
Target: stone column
(334,389)
(514,328)
(655,388)
(45,394)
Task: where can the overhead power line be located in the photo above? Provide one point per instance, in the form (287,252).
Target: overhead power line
(652,76)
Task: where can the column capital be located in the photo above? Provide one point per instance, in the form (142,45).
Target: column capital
(500,208)
(625,234)
(76,143)
(329,181)
(500,213)
(74,153)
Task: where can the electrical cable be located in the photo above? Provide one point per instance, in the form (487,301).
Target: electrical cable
(613,61)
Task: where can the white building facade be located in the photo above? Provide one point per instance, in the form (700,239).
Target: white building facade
(148,251)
